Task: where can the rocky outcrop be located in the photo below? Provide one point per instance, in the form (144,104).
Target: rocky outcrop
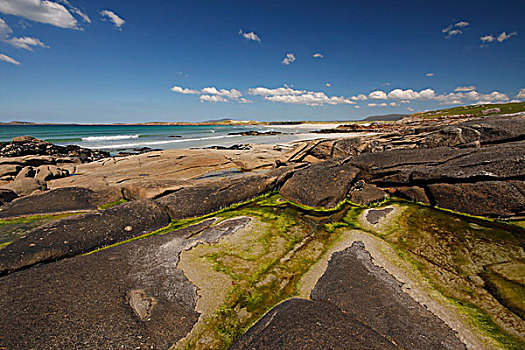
(27,145)
(342,315)
(54,201)
(82,233)
(320,185)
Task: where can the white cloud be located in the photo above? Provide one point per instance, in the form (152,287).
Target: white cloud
(327,84)
(244,100)
(318,55)
(429,74)
(504,36)
(394,104)
(25,43)
(76,11)
(410,109)
(212,98)
(250,35)
(184,91)
(377,95)
(359,97)
(8,59)
(465,88)
(290,58)
(291,96)
(452,33)
(222,92)
(487,39)
(5,30)
(461,24)
(404,101)
(113,17)
(40,11)
(357,107)
(521,94)
(377,104)
(398,94)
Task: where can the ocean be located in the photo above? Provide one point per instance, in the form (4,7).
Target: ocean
(116,138)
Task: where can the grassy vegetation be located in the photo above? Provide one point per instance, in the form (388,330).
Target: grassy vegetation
(112,204)
(476,110)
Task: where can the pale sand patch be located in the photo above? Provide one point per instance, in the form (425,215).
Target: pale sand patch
(414,284)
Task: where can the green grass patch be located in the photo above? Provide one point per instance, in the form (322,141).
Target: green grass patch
(112,204)
(476,110)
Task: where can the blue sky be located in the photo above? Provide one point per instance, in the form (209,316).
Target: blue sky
(128,61)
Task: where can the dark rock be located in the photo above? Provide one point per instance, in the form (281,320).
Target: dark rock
(414,193)
(324,184)
(499,129)
(131,296)
(484,198)
(375,215)
(256,133)
(202,199)
(82,233)
(367,194)
(367,292)
(58,200)
(27,145)
(237,147)
(6,196)
(301,324)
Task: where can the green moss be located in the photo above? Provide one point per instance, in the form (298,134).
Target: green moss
(112,204)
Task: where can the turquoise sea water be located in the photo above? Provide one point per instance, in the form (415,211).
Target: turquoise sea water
(127,137)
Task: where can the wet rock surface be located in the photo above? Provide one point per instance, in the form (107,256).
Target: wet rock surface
(82,233)
(59,200)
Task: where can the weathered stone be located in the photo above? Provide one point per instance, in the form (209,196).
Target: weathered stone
(9,169)
(6,196)
(59,200)
(414,193)
(324,184)
(485,198)
(25,186)
(201,199)
(83,233)
(131,296)
(367,194)
(375,215)
(301,324)
(367,292)
(27,171)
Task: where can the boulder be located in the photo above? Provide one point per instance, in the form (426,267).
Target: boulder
(27,171)
(25,186)
(324,184)
(358,287)
(53,201)
(9,169)
(301,324)
(366,194)
(485,198)
(6,196)
(201,199)
(49,172)
(82,233)
(414,193)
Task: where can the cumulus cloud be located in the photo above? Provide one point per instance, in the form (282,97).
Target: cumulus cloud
(461,24)
(453,32)
(249,36)
(359,97)
(244,100)
(290,58)
(42,11)
(184,91)
(429,74)
(377,104)
(234,94)
(521,94)
(113,17)
(487,39)
(465,88)
(327,84)
(377,95)
(25,43)
(76,11)
(318,55)
(212,98)
(394,104)
(8,59)
(292,96)
(504,36)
